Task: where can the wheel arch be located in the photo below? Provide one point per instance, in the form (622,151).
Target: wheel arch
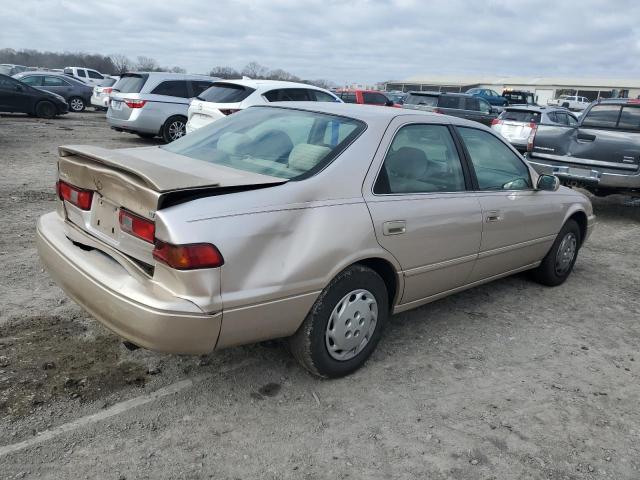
(389,274)
(580,217)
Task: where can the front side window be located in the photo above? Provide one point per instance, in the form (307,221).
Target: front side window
(630,118)
(605,116)
(348,97)
(172,88)
(450,101)
(421,159)
(7,83)
(496,166)
(426,100)
(34,80)
(493,93)
(81,73)
(373,98)
(320,96)
(282,143)
(54,82)
(94,74)
(484,107)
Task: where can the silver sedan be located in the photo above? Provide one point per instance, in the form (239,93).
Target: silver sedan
(314,222)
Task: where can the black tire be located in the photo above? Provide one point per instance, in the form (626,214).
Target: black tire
(146,135)
(556,267)
(45,109)
(174,128)
(76,104)
(309,345)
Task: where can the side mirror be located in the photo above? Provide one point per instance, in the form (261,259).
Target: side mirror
(389,103)
(549,183)
(19,88)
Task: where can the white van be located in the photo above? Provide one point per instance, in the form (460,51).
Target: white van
(87,75)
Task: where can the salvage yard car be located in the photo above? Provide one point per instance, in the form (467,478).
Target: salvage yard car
(229,96)
(601,152)
(225,237)
(18,97)
(152,104)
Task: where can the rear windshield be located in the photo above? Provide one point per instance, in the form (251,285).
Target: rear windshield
(282,143)
(524,116)
(108,82)
(225,93)
(130,83)
(428,100)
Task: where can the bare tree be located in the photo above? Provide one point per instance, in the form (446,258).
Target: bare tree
(121,63)
(255,70)
(147,64)
(279,74)
(178,70)
(224,72)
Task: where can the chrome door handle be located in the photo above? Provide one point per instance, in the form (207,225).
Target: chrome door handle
(494,216)
(395,227)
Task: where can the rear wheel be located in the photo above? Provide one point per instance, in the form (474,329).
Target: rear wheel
(558,264)
(344,325)
(76,104)
(45,109)
(174,128)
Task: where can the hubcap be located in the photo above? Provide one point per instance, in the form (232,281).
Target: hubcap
(76,104)
(566,253)
(176,129)
(351,324)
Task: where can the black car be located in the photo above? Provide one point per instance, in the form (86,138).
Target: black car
(76,93)
(455,104)
(19,97)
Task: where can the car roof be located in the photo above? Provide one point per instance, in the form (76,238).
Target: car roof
(370,113)
(363,90)
(172,76)
(48,73)
(263,84)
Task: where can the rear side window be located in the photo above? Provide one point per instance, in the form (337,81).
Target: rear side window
(34,80)
(496,166)
(172,88)
(523,116)
(427,100)
(199,86)
(225,93)
(320,96)
(373,98)
(471,103)
(421,159)
(130,83)
(449,101)
(95,75)
(287,95)
(630,118)
(605,116)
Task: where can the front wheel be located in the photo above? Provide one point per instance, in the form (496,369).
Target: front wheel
(45,109)
(344,325)
(558,263)
(76,104)
(174,128)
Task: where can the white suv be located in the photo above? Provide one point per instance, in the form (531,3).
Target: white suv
(228,96)
(572,102)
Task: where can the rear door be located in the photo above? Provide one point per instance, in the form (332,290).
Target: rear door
(422,210)
(608,136)
(57,85)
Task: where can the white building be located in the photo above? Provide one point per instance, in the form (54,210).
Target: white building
(545,88)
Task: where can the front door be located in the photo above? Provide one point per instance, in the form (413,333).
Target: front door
(421,209)
(518,221)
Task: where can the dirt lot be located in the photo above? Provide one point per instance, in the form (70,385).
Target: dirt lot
(507,381)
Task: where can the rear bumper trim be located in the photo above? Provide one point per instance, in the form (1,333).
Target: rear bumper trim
(596,178)
(122,303)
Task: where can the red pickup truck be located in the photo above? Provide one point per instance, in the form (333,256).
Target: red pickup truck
(365,97)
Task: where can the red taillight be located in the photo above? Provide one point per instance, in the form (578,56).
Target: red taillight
(134,103)
(107,90)
(188,257)
(496,121)
(137,226)
(532,137)
(229,111)
(77,196)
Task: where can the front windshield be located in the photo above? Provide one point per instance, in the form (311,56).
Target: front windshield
(278,142)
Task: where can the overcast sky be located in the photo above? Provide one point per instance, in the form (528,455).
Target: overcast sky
(344,41)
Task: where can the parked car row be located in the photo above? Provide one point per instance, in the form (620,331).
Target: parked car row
(18,97)
(462,105)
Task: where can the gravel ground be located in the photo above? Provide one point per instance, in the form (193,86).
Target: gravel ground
(510,380)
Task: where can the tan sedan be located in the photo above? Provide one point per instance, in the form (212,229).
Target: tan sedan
(311,221)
